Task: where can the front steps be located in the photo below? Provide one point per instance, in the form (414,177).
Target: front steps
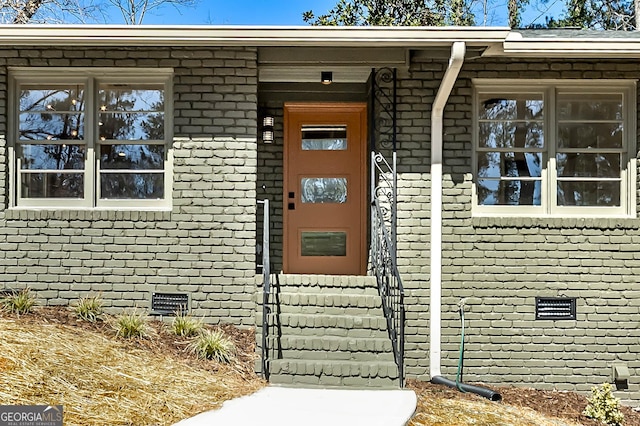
(328,331)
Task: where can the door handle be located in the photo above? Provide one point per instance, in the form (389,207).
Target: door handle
(292,206)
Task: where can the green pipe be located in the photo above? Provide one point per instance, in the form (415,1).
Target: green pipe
(461,357)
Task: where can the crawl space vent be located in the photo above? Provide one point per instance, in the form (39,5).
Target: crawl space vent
(555,308)
(169,303)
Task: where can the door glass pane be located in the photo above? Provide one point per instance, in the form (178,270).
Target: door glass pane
(324,138)
(324,244)
(324,190)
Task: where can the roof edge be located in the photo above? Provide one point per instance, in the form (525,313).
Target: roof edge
(254,36)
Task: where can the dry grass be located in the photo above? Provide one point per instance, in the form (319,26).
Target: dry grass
(103,381)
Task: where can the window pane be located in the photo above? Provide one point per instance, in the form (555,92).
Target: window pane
(509,192)
(132,157)
(509,164)
(52,185)
(526,106)
(324,138)
(131,185)
(127,97)
(51,126)
(588,165)
(52,157)
(51,99)
(511,135)
(324,190)
(131,126)
(581,106)
(324,244)
(589,193)
(590,135)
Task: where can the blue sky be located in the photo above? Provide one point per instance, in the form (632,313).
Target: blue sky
(241,12)
(289,12)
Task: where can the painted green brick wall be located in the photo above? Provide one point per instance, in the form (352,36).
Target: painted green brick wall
(502,264)
(204,246)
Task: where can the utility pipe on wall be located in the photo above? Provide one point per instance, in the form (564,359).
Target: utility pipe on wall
(458,50)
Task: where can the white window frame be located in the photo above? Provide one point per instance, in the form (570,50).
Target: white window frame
(91,79)
(549,89)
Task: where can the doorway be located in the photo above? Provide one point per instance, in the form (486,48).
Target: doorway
(325,188)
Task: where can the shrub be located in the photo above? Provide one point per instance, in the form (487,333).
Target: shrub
(89,309)
(20,302)
(603,406)
(184,325)
(131,325)
(213,345)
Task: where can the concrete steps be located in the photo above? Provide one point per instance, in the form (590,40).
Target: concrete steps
(328,331)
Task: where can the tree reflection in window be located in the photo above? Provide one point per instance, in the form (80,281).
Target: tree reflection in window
(131,113)
(54,113)
(511,141)
(51,136)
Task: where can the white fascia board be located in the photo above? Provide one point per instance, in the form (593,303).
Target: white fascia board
(189,35)
(565,47)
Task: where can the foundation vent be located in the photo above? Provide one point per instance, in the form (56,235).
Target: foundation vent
(555,308)
(169,303)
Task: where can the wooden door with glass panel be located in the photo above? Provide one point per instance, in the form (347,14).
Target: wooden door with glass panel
(324,189)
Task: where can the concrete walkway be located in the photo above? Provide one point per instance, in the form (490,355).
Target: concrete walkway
(280,406)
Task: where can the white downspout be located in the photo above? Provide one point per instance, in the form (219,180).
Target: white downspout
(437,111)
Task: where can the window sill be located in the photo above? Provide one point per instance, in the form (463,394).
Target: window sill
(24,213)
(556,222)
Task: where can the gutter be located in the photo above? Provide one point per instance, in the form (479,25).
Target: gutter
(458,50)
(254,36)
(588,46)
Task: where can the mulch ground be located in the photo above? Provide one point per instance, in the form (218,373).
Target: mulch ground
(562,405)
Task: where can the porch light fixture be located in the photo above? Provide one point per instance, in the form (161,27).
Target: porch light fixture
(326,77)
(267,129)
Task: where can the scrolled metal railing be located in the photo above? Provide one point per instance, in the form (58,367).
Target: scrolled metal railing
(266,288)
(384,200)
(383,255)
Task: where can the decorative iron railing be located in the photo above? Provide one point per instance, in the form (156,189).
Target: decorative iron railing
(266,288)
(384,201)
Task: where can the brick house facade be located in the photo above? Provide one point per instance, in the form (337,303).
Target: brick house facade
(204,243)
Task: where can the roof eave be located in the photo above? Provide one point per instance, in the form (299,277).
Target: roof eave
(255,36)
(560,47)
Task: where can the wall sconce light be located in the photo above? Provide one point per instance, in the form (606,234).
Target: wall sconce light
(267,129)
(326,77)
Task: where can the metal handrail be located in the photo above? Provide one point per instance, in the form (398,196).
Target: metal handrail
(266,288)
(390,286)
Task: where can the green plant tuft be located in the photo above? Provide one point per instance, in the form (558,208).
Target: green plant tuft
(213,345)
(603,406)
(89,309)
(129,325)
(185,325)
(19,302)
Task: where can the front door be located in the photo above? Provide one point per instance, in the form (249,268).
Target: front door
(324,189)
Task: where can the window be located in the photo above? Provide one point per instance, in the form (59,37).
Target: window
(85,140)
(554,148)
